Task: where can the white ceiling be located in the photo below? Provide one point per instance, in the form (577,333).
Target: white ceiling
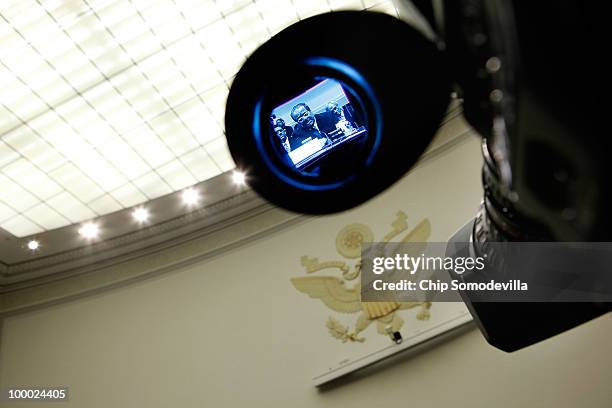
(107,104)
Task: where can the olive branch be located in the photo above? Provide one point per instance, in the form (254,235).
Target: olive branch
(337,330)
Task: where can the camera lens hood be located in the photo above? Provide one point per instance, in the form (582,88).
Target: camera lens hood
(392,73)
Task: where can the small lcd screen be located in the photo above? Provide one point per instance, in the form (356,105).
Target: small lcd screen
(312,125)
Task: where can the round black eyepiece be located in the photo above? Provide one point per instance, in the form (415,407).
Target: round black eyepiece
(334,109)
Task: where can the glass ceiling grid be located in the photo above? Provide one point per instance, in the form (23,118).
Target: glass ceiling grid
(108,104)
(8,194)
(51,108)
(107,79)
(183,75)
(146,77)
(127,67)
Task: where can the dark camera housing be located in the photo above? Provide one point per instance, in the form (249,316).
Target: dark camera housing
(403,97)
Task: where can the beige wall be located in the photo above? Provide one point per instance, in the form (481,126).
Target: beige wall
(231,331)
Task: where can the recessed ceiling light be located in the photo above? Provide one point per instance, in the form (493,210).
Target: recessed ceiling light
(33,245)
(141,214)
(239,178)
(191,196)
(89,230)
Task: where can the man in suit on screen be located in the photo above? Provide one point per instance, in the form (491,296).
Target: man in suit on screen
(307,127)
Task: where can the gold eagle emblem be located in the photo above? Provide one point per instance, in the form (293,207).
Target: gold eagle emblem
(335,293)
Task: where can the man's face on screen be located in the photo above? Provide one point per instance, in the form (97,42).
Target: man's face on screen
(334,108)
(280,132)
(303,116)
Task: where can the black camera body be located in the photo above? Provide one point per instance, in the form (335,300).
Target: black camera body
(529,75)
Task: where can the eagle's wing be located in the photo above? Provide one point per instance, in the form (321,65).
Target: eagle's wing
(331,291)
(417,238)
(420,233)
